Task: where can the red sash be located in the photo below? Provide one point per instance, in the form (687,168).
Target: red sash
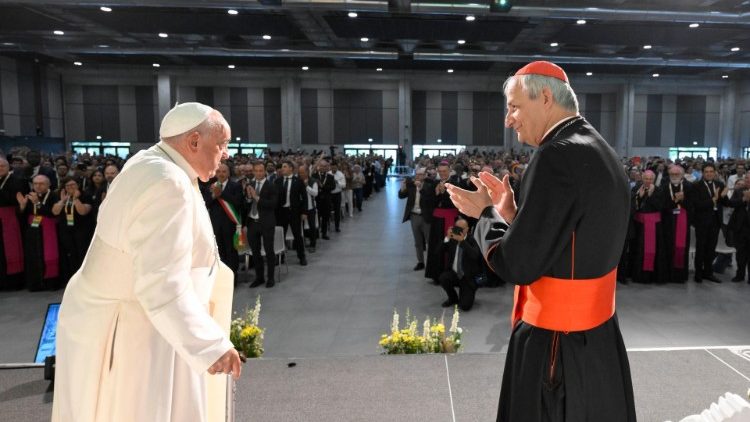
(680,239)
(565,304)
(51,255)
(649,220)
(12,243)
(448,215)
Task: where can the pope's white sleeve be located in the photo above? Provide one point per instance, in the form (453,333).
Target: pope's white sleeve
(161,240)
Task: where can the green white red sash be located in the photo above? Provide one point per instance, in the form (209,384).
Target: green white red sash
(240,240)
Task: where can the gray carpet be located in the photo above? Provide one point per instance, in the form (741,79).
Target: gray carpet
(668,386)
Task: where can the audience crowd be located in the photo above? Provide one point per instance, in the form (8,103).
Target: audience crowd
(49,204)
(683,212)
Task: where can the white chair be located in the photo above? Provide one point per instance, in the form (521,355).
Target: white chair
(288,239)
(721,245)
(279,249)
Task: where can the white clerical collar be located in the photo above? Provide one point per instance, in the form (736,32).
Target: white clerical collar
(178,159)
(563,120)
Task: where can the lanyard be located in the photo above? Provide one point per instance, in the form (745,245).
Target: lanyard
(71,210)
(6,180)
(709,189)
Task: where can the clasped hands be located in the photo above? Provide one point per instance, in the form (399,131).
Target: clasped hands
(491,191)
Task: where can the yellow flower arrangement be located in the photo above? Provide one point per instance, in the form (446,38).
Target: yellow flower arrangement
(245,333)
(432,340)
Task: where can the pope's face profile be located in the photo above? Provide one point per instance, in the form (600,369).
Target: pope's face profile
(212,149)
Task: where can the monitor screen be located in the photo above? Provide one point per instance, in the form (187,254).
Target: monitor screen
(46,346)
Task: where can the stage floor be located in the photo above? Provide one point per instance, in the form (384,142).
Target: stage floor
(668,384)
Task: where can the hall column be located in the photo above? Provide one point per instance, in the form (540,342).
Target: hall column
(291,114)
(164,90)
(404,118)
(729,128)
(624,119)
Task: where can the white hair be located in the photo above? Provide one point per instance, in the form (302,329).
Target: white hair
(562,93)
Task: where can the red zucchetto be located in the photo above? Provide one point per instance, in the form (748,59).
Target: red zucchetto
(545,69)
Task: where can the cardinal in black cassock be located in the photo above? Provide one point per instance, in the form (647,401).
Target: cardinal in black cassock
(560,245)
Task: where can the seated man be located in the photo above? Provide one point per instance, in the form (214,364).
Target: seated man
(464,263)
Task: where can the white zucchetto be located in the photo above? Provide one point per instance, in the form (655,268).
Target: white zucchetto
(182,118)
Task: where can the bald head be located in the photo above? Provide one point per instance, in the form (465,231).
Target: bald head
(110,172)
(40,183)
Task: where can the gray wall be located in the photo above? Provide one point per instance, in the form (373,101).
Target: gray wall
(743,115)
(457,117)
(19,109)
(254,113)
(349,116)
(115,112)
(662,120)
(287,108)
(600,109)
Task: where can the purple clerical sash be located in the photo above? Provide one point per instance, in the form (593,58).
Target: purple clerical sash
(680,238)
(648,220)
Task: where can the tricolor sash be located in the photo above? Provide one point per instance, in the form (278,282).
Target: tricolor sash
(239,241)
(12,243)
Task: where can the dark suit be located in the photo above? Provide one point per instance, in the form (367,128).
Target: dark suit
(420,222)
(326,184)
(469,267)
(707,222)
(739,227)
(426,198)
(291,214)
(262,226)
(224,227)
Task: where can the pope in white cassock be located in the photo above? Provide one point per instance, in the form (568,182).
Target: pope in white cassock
(147,315)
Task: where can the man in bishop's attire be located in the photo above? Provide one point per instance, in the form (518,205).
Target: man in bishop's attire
(560,245)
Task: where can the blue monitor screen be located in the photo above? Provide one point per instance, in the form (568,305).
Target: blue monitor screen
(46,345)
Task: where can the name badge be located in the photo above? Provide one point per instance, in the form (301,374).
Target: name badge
(676,211)
(36,221)
(69,219)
